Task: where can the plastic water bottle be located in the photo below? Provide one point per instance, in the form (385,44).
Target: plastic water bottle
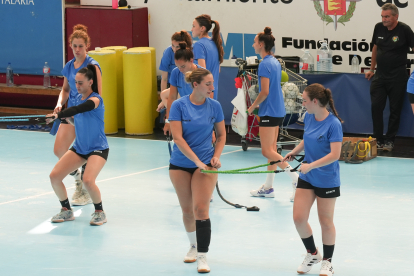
(9,75)
(114,4)
(306,62)
(355,64)
(324,59)
(46,75)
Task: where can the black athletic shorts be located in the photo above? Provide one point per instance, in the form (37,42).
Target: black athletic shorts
(101,153)
(319,192)
(267,121)
(189,170)
(411,97)
(63,121)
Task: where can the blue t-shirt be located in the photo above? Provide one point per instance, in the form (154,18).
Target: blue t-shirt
(273,105)
(177,79)
(410,84)
(167,61)
(70,72)
(206,49)
(197,124)
(317,138)
(89,127)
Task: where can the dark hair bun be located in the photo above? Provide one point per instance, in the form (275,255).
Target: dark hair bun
(268,31)
(183,45)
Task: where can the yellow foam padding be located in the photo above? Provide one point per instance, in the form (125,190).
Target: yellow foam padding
(154,80)
(138,92)
(107,61)
(120,82)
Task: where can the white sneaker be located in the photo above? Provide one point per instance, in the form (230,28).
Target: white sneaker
(262,192)
(202,266)
(309,261)
(326,268)
(83,199)
(191,256)
(78,189)
(292,197)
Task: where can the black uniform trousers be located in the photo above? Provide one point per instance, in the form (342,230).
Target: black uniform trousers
(381,90)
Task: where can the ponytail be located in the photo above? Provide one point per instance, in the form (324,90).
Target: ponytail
(204,20)
(90,73)
(324,95)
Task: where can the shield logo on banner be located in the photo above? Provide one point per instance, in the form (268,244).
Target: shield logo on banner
(334,8)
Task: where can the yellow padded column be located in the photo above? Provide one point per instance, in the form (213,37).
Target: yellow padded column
(107,61)
(137,92)
(120,82)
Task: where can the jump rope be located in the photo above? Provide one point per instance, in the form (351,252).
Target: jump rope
(246,171)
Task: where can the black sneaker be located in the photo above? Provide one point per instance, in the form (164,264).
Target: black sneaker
(388,146)
(380,146)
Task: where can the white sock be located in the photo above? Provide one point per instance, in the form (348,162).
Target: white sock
(201,254)
(293,175)
(269,180)
(192,237)
(78,175)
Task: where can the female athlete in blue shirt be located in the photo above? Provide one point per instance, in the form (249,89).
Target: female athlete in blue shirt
(192,119)
(79,42)
(90,145)
(183,59)
(271,111)
(410,90)
(208,52)
(319,178)
(167,64)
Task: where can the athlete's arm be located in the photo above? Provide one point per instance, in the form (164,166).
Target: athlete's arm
(326,160)
(171,98)
(264,82)
(202,62)
(220,142)
(63,96)
(89,105)
(177,132)
(164,80)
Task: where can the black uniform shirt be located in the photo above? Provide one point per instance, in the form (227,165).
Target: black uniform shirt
(392,49)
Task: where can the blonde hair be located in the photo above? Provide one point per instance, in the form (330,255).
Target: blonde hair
(196,76)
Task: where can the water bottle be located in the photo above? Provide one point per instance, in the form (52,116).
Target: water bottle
(306,62)
(324,59)
(114,4)
(9,75)
(46,75)
(355,64)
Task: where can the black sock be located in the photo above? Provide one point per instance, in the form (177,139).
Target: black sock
(74,172)
(98,206)
(309,244)
(83,170)
(203,232)
(65,203)
(328,252)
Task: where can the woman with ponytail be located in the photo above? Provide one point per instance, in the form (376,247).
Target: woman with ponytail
(208,52)
(271,111)
(168,63)
(184,60)
(319,175)
(193,118)
(65,135)
(90,145)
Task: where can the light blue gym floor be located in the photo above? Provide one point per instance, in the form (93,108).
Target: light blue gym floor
(145,235)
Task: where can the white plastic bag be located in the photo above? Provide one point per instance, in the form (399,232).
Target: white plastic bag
(238,122)
(239,117)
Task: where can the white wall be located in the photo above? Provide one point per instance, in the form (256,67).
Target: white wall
(297,20)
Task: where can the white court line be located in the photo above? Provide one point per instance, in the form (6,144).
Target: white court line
(103,180)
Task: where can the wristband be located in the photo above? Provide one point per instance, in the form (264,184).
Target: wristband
(373,71)
(166,121)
